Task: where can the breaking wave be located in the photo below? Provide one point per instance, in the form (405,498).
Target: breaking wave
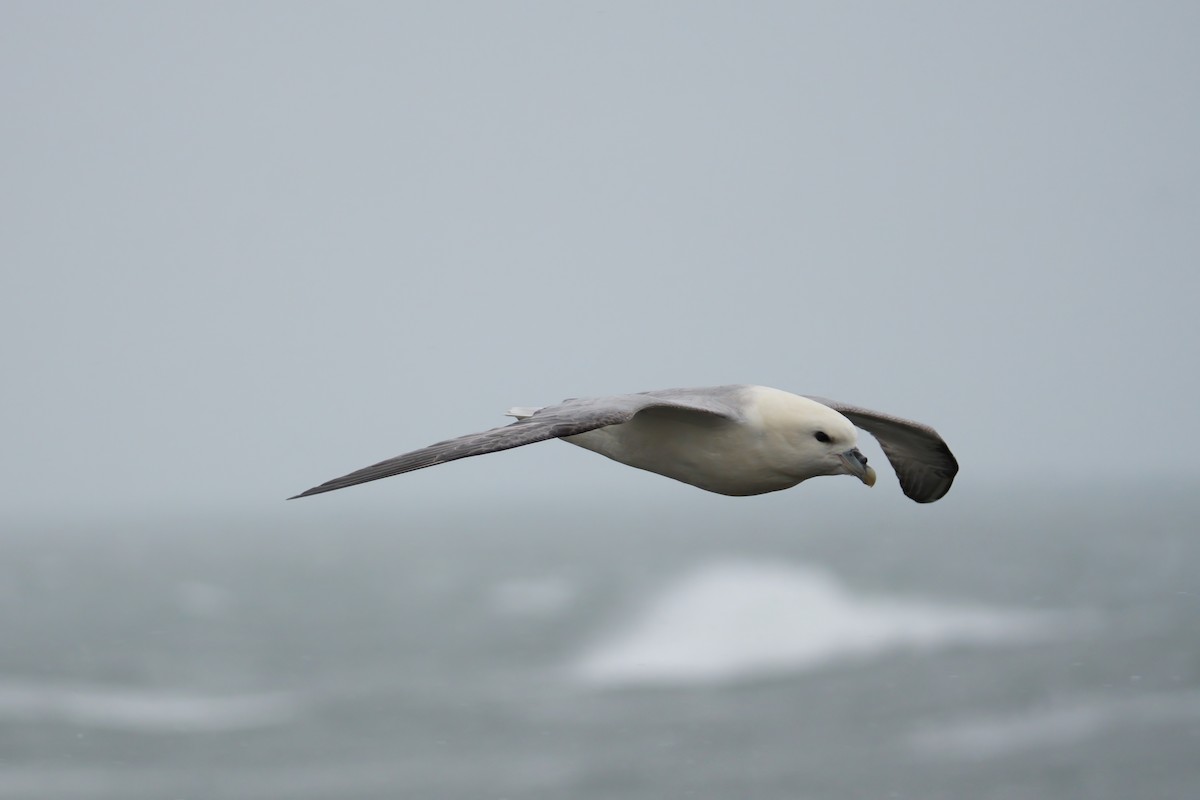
(734,620)
(141,710)
(1058,724)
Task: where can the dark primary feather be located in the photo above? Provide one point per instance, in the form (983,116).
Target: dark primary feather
(565,419)
(921,458)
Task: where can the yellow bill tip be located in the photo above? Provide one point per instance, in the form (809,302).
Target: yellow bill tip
(869,477)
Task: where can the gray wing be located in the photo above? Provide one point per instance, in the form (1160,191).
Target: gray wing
(565,419)
(921,458)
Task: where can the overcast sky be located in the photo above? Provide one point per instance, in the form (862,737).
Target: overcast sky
(247,247)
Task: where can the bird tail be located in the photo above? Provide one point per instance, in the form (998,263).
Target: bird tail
(521,412)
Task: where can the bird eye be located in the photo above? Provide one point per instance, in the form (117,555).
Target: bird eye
(822,436)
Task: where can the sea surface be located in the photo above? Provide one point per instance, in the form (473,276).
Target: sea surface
(1001,645)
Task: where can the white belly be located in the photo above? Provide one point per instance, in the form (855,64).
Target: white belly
(712,453)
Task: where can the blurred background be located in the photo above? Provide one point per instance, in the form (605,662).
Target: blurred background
(246,248)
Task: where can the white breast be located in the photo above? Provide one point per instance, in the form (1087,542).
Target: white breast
(752,456)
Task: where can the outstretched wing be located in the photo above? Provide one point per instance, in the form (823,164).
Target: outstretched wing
(565,419)
(921,458)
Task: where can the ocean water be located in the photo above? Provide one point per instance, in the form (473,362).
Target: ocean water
(1012,645)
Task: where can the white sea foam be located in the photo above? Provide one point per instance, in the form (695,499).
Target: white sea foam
(734,620)
(1059,724)
(141,710)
